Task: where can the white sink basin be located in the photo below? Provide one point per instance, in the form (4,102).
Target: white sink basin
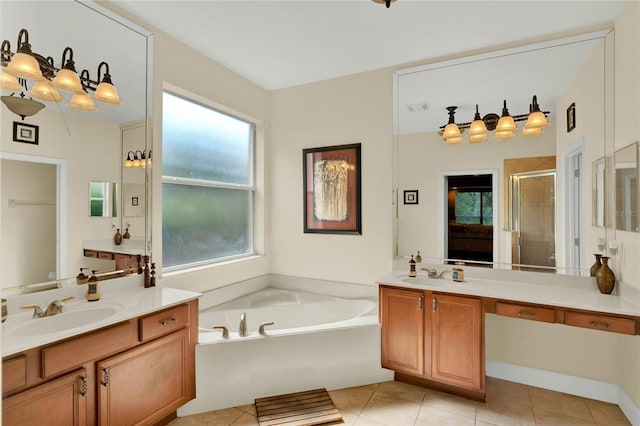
(64,321)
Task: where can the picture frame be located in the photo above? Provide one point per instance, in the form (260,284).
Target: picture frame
(571,117)
(332,189)
(134,201)
(411,196)
(25,133)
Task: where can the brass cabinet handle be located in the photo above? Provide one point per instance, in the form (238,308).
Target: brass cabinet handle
(168,321)
(420,302)
(600,324)
(434,303)
(83,384)
(105,377)
(527,315)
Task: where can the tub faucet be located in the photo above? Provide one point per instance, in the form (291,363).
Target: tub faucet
(242,331)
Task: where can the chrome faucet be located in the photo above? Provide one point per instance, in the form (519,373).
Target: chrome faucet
(54,308)
(433,273)
(242,331)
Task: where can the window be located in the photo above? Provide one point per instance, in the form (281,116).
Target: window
(474,207)
(207,184)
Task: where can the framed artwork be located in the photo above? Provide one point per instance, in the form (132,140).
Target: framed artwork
(134,201)
(571,117)
(27,133)
(332,190)
(411,196)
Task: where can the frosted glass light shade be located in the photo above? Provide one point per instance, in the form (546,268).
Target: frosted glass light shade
(506,124)
(477,128)
(536,120)
(25,66)
(68,80)
(451,131)
(9,82)
(82,102)
(45,91)
(479,137)
(106,92)
(531,131)
(503,134)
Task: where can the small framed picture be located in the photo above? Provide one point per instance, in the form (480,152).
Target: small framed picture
(571,117)
(411,196)
(134,201)
(26,133)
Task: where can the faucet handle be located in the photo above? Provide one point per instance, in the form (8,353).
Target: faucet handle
(66,299)
(262,326)
(225,330)
(37,310)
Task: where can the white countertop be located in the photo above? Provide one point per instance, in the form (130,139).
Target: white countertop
(129,298)
(586,297)
(133,246)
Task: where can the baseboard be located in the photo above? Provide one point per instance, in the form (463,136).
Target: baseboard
(565,383)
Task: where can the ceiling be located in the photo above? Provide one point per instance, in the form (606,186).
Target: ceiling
(278,44)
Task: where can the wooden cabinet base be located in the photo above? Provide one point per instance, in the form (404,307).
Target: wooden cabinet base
(442,387)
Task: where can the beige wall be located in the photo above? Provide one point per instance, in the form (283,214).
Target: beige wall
(353,109)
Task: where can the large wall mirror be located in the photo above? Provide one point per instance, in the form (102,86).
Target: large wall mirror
(46,216)
(568,79)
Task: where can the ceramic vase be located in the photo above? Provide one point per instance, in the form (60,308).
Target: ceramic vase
(596,265)
(117,239)
(605,278)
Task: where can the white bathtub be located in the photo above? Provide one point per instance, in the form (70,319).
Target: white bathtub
(317,340)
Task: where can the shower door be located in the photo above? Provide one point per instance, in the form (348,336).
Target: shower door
(533,219)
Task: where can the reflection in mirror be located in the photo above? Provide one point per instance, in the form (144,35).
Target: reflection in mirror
(597,185)
(423,95)
(103,199)
(88,144)
(29,210)
(626,172)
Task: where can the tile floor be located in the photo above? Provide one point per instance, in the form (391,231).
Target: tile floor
(400,404)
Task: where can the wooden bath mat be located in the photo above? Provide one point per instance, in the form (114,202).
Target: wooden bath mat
(313,407)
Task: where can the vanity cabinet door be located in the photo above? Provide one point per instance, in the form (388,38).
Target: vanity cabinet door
(402,318)
(457,351)
(61,401)
(146,384)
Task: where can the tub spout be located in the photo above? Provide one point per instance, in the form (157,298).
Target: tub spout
(242,331)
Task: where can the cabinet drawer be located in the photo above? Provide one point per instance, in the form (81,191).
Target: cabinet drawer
(164,322)
(601,322)
(105,255)
(534,313)
(90,253)
(79,350)
(14,373)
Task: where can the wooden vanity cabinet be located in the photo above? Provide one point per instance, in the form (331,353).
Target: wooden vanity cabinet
(61,401)
(138,371)
(402,319)
(434,339)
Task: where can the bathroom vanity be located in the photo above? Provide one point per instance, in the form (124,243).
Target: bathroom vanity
(135,367)
(433,329)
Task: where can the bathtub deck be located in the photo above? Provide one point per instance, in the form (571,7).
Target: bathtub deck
(313,407)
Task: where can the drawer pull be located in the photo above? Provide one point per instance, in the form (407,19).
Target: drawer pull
(600,324)
(168,321)
(526,315)
(83,386)
(105,377)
